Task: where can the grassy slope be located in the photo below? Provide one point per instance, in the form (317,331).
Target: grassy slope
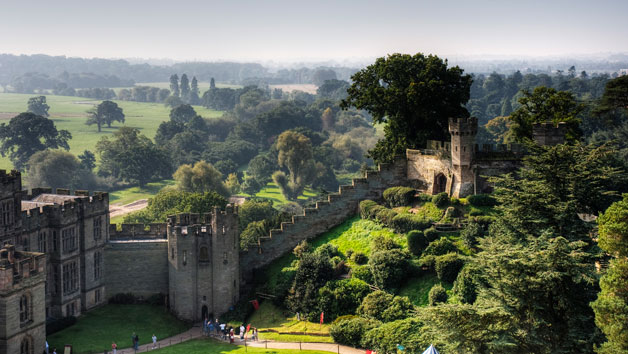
(70,113)
(209,346)
(269,316)
(131,194)
(96,329)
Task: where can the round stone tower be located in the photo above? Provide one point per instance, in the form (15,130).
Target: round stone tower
(463,132)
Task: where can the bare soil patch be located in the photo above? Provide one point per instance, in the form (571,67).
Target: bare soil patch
(118,209)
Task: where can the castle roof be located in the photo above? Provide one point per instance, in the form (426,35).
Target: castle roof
(54,198)
(28,205)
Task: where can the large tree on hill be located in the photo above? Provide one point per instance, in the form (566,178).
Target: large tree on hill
(38,106)
(200,178)
(182,114)
(615,95)
(546,104)
(106,112)
(58,169)
(295,154)
(414,96)
(174,85)
(27,133)
(185,88)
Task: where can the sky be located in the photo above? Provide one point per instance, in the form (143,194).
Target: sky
(283,30)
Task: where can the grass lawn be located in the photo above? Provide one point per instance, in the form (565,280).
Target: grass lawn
(131,194)
(272,192)
(418,289)
(70,113)
(210,346)
(269,316)
(96,329)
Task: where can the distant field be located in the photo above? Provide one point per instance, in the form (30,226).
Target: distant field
(202,85)
(70,113)
(309,88)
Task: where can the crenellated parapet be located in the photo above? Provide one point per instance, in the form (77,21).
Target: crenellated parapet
(153,231)
(548,133)
(463,126)
(17,268)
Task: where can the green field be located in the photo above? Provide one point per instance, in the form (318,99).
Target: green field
(96,329)
(70,113)
(131,194)
(272,192)
(211,346)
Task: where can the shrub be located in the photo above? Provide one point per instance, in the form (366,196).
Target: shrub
(383,243)
(365,208)
(484,220)
(301,249)
(342,297)
(437,295)
(283,284)
(363,273)
(374,210)
(350,331)
(441,200)
(422,197)
(349,253)
(405,222)
(359,258)
(481,200)
(430,234)
(335,260)
(382,306)
(385,216)
(388,268)
(328,250)
(475,212)
(471,233)
(385,338)
(399,196)
(416,242)
(156,299)
(465,286)
(440,247)
(448,266)
(55,326)
(451,213)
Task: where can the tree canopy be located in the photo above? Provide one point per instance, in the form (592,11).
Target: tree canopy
(413,95)
(27,133)
(38,106)
(200,178)
(106,112)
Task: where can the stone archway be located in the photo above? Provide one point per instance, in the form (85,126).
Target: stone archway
(440,184)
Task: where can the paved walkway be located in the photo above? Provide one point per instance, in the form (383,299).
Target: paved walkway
(194,332)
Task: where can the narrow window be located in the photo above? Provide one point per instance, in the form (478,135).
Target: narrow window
(185,257)
(203,255)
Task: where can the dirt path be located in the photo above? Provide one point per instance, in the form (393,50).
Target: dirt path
(118,209)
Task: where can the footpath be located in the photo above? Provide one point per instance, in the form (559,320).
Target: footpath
(197,332)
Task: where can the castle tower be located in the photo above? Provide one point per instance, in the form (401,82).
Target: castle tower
(10,206)
(204,264)
(549,134)
(463,132)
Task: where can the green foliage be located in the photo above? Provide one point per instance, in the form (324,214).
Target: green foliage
(465,286)
(440,247)
(27,133)
(327,250)
(615,96)
(106,112)
(388,268)
(471,233)
(365,208)
(302,249)
(613,229)
(405,222)
(359,258)
(182,114)
(430,234)
(437,295)
(448,266)
(441,200)
(313,272)
(255,210)
(479,200)
(385,338)
(363,273)
(399,196)
(295,154)
(170,202)
(37,105)
(58,169)
(252,232)
(382,306)
(383,243)
(200,178)
(350,331)
(385,216)
(413,96)
(342,297)
(416,242)
(546,104)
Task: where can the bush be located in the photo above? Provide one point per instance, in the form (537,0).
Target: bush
(365,208)
(359,258)
(301,249)
(350,331)
(448,266)
(388,268)
(374,210)
(416,242)
(430,234)
(440,247)
(437,294)
(475,212)
(382,306)
(405,222)
(451,213)
(363,273)
(385,216)
(157,299)
(399,196)
(328,250)
(484,220)
(342,297)
(441,200)
(55,326)
(383,243)
(481,200)
(471,233)
(465,286)
(422,197)
(349,253)
(283,284)
(406,332)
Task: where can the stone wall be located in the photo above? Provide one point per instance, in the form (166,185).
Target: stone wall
(326,215)
(136,266)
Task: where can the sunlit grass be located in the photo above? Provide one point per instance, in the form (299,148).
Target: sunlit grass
(211,346)
(271,317)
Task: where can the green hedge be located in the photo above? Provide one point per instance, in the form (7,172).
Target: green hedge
(406,222)
(478,200)
(441,200)
(416,242)
(350,331)
(399,196)
(448,266)
(365,208)
(437,294)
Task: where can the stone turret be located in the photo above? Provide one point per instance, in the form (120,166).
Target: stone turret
(10,206)
(463,132)
(204,264)
(549,134)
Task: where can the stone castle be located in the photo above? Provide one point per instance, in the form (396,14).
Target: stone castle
(61,257)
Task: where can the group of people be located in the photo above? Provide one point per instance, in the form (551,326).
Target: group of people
(215,328)
(135,339)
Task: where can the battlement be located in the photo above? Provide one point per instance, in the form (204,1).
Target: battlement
(17,267)
(185,219)
(463,126)
(138,231)
(11,181)
(549,134)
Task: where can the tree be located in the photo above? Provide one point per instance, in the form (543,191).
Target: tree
(194,99)
(388,268)
(174,85)
(185,88)
(611,306)
(212,83)
(88,160)
(295,154)
(182,114)
(313,272)
(58,169)
(200,178)
(615,96)
(382,306)
(38,106)
(321,75)
(546,104)
(27,133)
(105,113)
(132,157)
(414,96)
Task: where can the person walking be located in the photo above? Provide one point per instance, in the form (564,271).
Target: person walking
(136,341)
(154,341)
(231,335)
(255,334)
(242,332)
(114,347)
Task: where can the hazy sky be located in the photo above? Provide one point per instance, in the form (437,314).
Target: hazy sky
(285,30)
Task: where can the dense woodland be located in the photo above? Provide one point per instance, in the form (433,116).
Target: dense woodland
(516,270)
